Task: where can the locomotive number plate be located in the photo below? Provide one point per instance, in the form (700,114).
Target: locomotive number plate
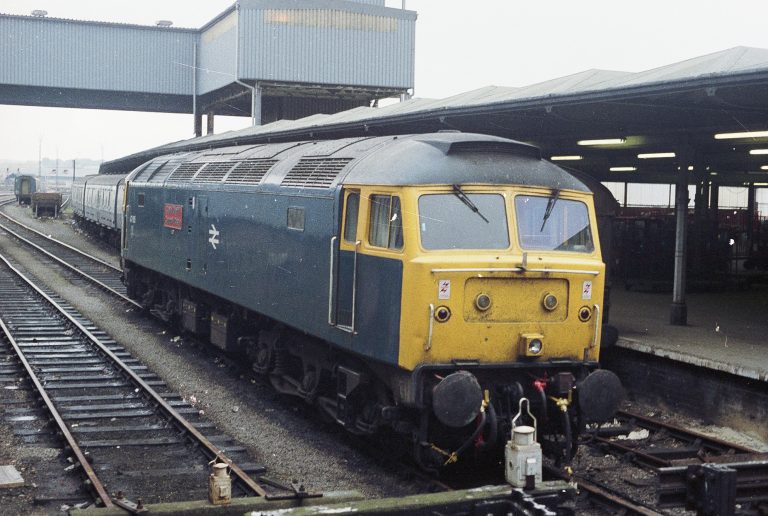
(173,216)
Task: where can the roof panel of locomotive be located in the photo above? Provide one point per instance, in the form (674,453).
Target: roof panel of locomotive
(425,159)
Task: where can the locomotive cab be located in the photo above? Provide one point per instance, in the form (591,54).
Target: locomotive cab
(502,289)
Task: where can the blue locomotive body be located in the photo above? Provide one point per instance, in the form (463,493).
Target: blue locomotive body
(236,241)
(425,283)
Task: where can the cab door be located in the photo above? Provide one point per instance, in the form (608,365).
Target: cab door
(346,270)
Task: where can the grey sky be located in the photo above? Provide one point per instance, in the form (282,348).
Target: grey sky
(460,46)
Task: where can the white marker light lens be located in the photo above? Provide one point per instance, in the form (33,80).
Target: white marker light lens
(483,302)
(550,302)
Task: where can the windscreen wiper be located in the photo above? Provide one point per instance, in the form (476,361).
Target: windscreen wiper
(550,206)
(458,192)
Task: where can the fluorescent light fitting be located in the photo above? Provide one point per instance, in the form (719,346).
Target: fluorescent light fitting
(606,141)
(759,184)
(690,168)
(758,151)
(622,169)
(743,134)
(653,155)
(764,167)
(565,158)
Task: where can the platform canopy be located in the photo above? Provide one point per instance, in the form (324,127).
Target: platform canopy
(678,108)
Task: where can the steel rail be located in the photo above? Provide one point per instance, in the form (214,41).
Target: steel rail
(160,402)
(603,495)
(684,434)
(63,244)
(71,442)
(71,266)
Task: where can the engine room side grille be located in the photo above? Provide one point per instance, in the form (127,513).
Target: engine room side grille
(250,171)
(213,172)
(315,173)
(184,172)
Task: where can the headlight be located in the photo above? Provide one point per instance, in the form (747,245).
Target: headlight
(534,346)
(483,302)
(531,344)
(549,302)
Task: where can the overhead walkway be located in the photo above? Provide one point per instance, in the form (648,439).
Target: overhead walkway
(260,58)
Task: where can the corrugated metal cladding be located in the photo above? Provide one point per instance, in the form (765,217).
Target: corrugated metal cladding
(360,45)
(109,57)
(217,54)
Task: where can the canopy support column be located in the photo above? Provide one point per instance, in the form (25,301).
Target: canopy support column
(679,310)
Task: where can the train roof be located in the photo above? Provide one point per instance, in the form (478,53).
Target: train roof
(104,179)
(434,158)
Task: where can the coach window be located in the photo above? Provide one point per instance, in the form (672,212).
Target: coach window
(350,217)
(386,224)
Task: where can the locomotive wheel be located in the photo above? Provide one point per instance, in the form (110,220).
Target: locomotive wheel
(263,358)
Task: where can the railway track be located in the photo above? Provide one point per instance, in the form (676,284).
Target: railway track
(124,429)
(92,269)
(668,462)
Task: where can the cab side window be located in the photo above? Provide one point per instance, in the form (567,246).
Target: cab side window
(350,217)
(386,224)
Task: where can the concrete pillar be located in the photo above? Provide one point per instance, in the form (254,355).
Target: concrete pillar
(626,193)
(209,128)
(699,220)
(198,117)
(256,105)
(679,310)
(751,205)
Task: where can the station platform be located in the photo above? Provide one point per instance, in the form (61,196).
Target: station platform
(727,330)
(715,369)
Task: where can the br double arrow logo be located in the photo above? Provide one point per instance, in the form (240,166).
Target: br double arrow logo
(214,240)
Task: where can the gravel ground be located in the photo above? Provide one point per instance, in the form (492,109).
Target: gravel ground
(283,434)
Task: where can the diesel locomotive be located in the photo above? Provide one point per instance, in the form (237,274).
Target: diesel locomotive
(418,283)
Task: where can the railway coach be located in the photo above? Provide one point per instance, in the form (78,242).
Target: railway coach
(24,186)
(97,204)
(424,283)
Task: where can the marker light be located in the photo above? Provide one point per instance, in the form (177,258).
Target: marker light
(442,313)
(622,169)
(483,302)
(743,134)
(585,314)
(549,302)
(606,141)
(759,151)
(566,158)
(653,155)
